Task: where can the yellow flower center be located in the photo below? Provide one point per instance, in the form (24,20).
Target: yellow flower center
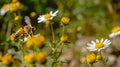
(90,58)
(99,45)
(115,29)
(4,7)
(47,22)
(47,15)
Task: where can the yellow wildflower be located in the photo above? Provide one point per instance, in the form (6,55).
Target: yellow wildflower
(98,57)
(12,38)
(41,57)
(29,42)
(39,41)
(17,18)
(91,58)
(30,58)
(7,59)
(65,20)
(35,41)
(14,6)
(33,14)
(64,38)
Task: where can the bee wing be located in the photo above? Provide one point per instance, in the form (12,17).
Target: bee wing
(27,21)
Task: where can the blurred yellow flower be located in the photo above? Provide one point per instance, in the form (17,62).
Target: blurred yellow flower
(115,31)
(29,42)
(39,41)
(41,57)
(35,41)
(91,58)
(33,14)
(65,20)
(17,18)
(98,57)
(64,38)
(14,6)
(30,58)
(7,59)
(12,38)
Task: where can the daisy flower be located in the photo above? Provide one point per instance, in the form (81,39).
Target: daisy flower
(98,45)
(115,31)
(47,16)
(5,8)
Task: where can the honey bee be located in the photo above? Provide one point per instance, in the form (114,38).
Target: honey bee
(28,29)
(19,32)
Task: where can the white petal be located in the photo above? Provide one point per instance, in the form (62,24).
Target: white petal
(54,14)
(93,49)
(90,48)
(92,42)
(105,40)
(112,35)
(102,40)
(97,40)
(89,44)
(108,43)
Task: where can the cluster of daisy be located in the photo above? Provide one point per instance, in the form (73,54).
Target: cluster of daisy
(32,58)
(13,6)
(95,48)
(34,43)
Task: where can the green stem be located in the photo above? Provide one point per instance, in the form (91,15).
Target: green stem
(56,58)
(103,59)
(63,29)
(53,35)
(91,65)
